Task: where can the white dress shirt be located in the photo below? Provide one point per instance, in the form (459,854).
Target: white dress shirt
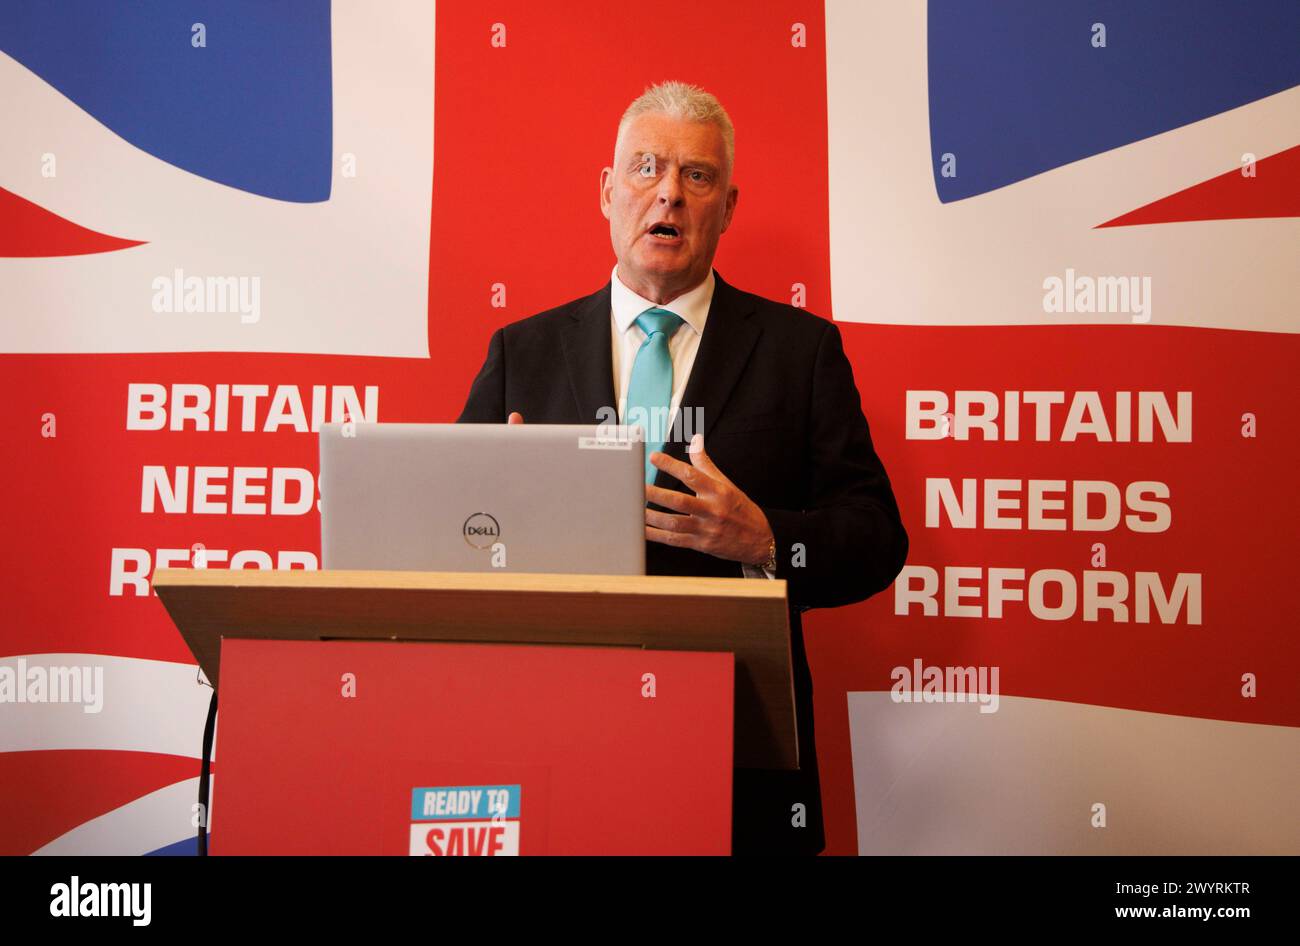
(626,338)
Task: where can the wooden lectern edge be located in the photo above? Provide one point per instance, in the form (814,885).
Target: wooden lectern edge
(659,585)
(768,595)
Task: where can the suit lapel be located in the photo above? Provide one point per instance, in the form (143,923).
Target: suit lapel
(587,344)
(729,338)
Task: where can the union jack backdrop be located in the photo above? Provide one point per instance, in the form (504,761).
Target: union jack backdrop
(1060,241)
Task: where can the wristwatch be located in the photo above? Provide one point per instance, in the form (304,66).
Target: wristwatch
(770,564)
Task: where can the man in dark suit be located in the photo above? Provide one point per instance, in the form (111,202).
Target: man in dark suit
(789,486)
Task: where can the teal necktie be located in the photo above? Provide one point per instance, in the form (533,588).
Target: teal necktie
(650,389)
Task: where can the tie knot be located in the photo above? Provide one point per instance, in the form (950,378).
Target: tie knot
(658,320)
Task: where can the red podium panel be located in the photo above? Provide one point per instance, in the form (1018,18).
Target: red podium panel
(349,747)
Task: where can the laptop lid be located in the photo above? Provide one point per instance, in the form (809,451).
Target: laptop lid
(483,497)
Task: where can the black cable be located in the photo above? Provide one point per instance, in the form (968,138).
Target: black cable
(205,773)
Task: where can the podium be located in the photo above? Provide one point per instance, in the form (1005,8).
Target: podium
(481,713)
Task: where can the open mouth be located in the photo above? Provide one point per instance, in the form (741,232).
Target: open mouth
(666,232)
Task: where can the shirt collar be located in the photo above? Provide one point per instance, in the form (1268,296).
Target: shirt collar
(692,306)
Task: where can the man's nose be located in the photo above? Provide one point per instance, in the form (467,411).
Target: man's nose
(670,188)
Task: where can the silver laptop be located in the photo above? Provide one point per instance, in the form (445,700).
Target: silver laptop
(483,497)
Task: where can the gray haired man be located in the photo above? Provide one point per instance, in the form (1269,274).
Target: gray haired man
(780,479)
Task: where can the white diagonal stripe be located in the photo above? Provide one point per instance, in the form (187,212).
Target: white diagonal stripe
(944,778)
(348,276)
(146,824)
(898,256)
(148,706)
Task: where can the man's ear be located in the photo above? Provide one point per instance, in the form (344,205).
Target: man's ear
(733,195)
(606,190)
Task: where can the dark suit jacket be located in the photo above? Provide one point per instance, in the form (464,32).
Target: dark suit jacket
(783,420)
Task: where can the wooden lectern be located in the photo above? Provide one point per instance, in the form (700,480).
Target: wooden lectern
(449,655)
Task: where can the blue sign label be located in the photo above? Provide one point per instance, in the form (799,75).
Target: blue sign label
(465,803)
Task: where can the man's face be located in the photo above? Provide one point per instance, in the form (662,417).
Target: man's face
(668,199)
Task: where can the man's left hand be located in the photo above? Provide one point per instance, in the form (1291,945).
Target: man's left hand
(719,519)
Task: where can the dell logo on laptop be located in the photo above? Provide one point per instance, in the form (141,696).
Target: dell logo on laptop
(481,531)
